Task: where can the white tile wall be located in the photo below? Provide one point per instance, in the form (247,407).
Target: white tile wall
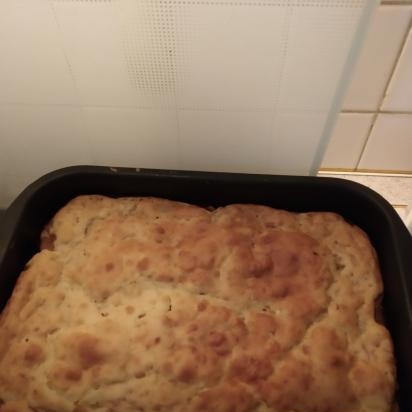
(378,55)
(399,93)
(299,134)
(96,59)
(390,144)
(215,140)
(33,67)
(132,137)
(348,138)
(233,75)
(40,138)
(303,69)
(380,95)
(65,89)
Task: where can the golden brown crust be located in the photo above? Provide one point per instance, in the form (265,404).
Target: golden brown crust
(143,304)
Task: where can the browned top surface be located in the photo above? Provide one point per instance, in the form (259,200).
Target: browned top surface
(145,304)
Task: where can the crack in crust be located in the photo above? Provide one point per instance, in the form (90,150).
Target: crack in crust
(143,304)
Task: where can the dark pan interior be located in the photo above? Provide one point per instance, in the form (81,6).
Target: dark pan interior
(25,218)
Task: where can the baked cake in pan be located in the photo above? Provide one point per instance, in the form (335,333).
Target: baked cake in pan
(145,304)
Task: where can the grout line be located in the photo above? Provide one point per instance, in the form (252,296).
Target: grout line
(83,133)
(354,111)
(396,62)
(360,31)
(64,51)
(277,87)
(365,143)
(144,107)
(396,3)
(385,90)
(149,107)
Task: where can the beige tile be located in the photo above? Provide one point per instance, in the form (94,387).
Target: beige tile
(348,138)
(390,144)
(399,94)
(382,44)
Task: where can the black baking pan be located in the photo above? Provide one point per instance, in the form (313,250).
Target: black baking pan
(29,213)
